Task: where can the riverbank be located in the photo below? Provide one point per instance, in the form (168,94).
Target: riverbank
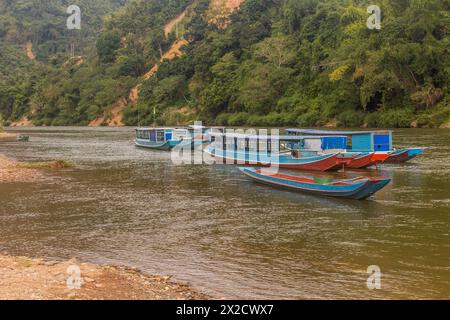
(37,279)
(13,171)
(7,135)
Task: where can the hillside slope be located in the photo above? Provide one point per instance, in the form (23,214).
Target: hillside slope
(114,115)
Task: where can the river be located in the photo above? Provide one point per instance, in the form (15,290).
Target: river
(231,238)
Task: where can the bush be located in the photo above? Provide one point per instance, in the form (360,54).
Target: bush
(222,119)
(309,119)
(238,119)
(256,121)
(395,118)
(440,117)
(424,120)
(350,119)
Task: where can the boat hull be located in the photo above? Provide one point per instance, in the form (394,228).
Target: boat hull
(404,155)
(164,146)
(362,161)
(318,163)
(358,189)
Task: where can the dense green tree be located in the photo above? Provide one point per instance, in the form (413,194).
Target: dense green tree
(107,46)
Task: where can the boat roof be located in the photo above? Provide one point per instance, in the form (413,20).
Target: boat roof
(204,127)
(334,132)
(160,128)
(267,137)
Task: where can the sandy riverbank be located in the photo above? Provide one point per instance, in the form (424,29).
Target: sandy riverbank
(13,171)
(36,279)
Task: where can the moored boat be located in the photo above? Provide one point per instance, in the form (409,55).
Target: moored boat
(404,155)
(359,188)
(261,150)
(360,161)
(161,138)
(364,148)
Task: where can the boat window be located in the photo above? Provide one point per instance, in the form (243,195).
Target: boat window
(262,145)
(241,144)
(160,135)
(153,135)
(230,143)
(141,134)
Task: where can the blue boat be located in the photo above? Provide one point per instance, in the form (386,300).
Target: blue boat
(404,155)
(161,138)
(359,188)
(260,150)
(374,147)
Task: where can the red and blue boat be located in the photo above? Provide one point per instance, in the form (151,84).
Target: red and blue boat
(365,148)
(262,150)
(358,188)
(404,155)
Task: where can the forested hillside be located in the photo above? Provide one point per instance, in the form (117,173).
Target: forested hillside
(34,40)
(43,24)
(269,63)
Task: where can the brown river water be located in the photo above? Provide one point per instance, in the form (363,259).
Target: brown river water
(229,237)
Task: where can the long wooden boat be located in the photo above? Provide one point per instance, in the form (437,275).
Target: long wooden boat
(168,138)
(262,150)
(161,138)
(371,147)
(285,161)
(359,188)
(404,155)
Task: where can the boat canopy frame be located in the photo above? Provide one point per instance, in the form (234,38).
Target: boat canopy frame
(247,142)
(358,141)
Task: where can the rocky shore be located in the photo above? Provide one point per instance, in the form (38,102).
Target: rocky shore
(36,279)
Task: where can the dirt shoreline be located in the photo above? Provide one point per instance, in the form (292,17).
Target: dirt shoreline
(13,171)
(23,278)
(7,135)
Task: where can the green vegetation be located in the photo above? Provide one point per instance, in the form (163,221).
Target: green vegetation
(44,24)
(277,63)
